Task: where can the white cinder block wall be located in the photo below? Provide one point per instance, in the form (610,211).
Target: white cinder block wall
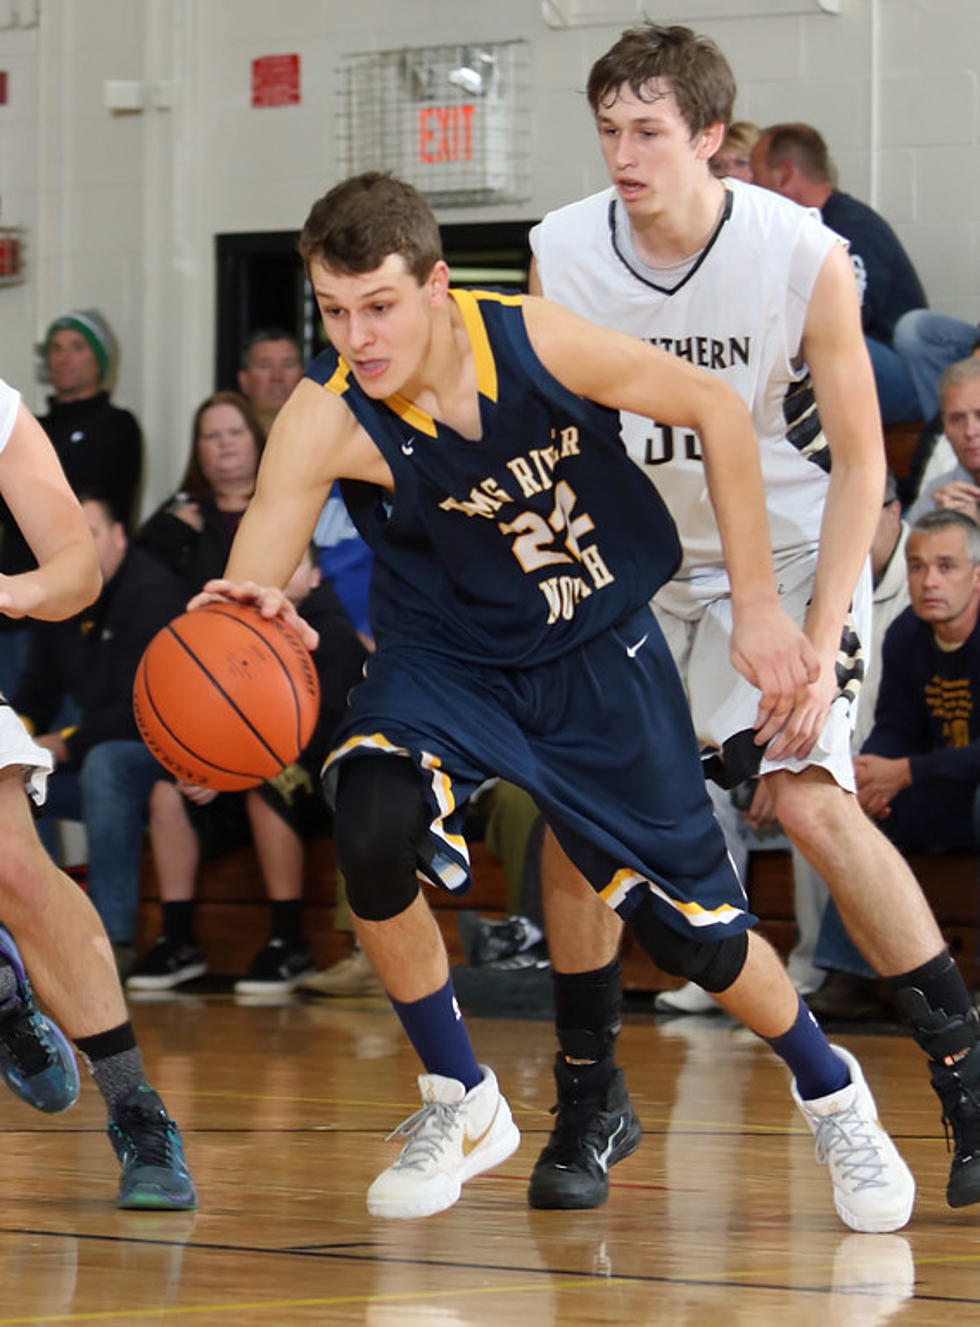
(121,206)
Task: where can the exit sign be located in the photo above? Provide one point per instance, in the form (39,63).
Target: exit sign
(446,133)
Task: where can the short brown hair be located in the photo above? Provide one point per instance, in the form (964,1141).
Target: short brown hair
(194,483)
(804,146)
(700,77)
(356,225)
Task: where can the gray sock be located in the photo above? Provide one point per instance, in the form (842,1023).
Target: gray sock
(8,983)
(117,1075)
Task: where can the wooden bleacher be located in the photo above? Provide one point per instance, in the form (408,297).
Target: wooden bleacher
(900,440)
(232,915)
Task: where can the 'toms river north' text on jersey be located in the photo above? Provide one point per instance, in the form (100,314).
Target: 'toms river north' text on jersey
(517,547)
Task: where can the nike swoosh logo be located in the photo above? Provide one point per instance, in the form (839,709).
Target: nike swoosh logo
(408,447)
(602,1158)
(631,650)
(470,1144)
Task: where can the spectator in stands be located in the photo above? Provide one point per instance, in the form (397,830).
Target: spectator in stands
(792,159)
(271,366)
(919,768)
(734,157)
(192,532)
(347,560)
(189,825)
(103,773)
(99,445)
(958,487)
(928,343)
(931,456)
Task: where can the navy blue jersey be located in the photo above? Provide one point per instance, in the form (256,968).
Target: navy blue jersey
(516,548)
(928,706)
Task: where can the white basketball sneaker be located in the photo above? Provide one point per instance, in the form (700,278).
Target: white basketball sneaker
(453,1136)
(687,999)
(873,1187)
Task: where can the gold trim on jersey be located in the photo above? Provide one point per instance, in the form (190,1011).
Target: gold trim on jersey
(452,874)
(338,382)
(468,303)
(626,880)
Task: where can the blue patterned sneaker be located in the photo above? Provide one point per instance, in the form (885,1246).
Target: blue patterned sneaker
(36,1058)
(148,1144)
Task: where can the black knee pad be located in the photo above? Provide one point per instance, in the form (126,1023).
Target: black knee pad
(712,964)
(381,818)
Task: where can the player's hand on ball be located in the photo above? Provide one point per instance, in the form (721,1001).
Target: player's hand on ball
(268,599)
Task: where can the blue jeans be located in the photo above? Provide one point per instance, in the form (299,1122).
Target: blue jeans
(928,343)
(13,652)
(897,397)
(110,794)
(943,816)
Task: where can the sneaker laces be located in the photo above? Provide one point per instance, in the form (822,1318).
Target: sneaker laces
(961,1113)
(152,1145)
(579,1126)
(25,1038)
(427,1131)
(850,1140)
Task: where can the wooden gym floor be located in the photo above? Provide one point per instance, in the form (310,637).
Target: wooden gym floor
(721,1217)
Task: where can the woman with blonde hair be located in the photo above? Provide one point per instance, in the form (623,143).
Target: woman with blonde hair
(732,158)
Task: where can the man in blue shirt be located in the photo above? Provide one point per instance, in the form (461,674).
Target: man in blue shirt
(919,769)
(792,160)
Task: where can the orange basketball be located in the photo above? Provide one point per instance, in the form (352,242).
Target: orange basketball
(226,698)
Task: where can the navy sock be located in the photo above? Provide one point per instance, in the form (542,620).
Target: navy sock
(810,1058)
(436,1029)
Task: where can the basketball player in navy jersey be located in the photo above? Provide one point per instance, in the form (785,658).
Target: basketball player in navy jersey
(761,294)
(514,557)
(64,943)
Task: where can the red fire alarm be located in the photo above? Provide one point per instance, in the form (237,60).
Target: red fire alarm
(3,87)
(11,255)
(275,80)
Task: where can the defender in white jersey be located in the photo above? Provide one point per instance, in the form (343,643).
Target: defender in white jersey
(63,941)
(730,277)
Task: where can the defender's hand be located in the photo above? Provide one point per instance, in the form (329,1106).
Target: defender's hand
(772,653)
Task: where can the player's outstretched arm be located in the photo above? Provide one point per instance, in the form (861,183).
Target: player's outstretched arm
(628,374)
(33,483)
(835,350)
(301,460)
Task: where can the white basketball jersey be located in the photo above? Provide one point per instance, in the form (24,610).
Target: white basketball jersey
(9,401)
(739,311)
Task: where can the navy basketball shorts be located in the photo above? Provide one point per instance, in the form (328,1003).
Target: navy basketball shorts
(600,738)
